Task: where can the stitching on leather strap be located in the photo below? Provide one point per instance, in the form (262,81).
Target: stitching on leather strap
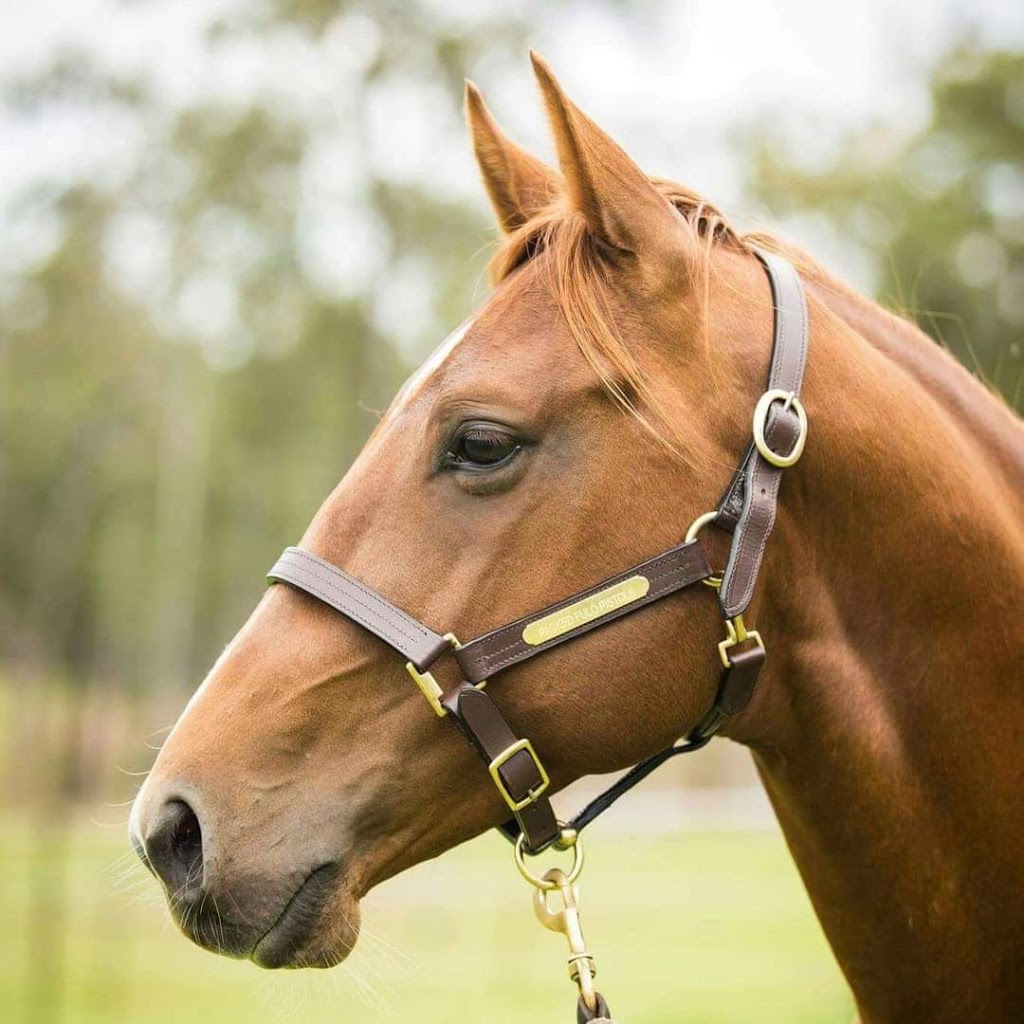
(390,632)
(365,591)
(369,621)
(744,563)
(484,663)
(487,659)
(757,517)
(516,629)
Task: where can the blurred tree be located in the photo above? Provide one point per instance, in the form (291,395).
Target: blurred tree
(198,317)
(196,325)
(943,211)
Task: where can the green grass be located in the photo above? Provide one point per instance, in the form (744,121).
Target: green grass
(696,927)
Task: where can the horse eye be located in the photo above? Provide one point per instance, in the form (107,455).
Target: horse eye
(481,447)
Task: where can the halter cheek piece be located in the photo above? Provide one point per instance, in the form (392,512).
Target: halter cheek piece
(747,511)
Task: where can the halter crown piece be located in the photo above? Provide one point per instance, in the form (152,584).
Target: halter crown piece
(746,511)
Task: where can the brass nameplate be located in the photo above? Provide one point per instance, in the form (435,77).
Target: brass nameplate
(581,612)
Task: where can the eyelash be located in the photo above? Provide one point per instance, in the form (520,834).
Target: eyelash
(483,434)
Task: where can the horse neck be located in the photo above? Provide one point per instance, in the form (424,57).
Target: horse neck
(891,602)
(984,419)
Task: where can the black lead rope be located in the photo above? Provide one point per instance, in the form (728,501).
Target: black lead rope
(619,788)
(636,774)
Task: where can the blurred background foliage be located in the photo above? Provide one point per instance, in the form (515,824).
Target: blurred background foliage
(198,329)
(189,361)
(942,211)
(205,305)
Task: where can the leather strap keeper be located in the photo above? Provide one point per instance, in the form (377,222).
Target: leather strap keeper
(520,777)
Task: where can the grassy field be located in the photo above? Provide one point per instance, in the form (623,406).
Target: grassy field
(696,927)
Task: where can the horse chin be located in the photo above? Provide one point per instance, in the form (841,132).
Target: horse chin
(314,925)
(317,928)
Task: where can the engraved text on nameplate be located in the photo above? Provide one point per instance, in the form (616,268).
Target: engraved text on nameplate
(579,613)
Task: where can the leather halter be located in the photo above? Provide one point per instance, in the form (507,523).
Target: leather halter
(747,511)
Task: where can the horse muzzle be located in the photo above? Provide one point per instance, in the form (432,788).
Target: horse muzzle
(302,916)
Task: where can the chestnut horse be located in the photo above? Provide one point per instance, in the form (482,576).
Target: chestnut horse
(589,411)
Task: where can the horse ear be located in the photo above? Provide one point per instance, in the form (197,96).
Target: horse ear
(518,184)
(619,202)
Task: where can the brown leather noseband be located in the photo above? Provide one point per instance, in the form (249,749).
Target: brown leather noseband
(747,511)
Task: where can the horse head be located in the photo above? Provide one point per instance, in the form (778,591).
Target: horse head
(575,424)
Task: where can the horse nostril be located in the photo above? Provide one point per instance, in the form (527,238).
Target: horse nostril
(174,848)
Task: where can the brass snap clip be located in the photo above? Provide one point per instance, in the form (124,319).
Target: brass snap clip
(556,883)
(567,921)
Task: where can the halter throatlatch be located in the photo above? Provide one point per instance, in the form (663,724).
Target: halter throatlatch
(747,511)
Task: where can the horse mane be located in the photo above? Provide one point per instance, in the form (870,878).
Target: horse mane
(578,273)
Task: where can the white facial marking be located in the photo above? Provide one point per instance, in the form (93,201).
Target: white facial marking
(412,387)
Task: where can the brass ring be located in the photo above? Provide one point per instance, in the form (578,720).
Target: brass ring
(699,523)
(764,404)
(714,581)
(545,884)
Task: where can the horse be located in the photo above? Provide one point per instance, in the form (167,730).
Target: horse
(593,406)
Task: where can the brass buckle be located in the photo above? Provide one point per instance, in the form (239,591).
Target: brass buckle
(428,684)
(736,633)
(509,752)
(764,404)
